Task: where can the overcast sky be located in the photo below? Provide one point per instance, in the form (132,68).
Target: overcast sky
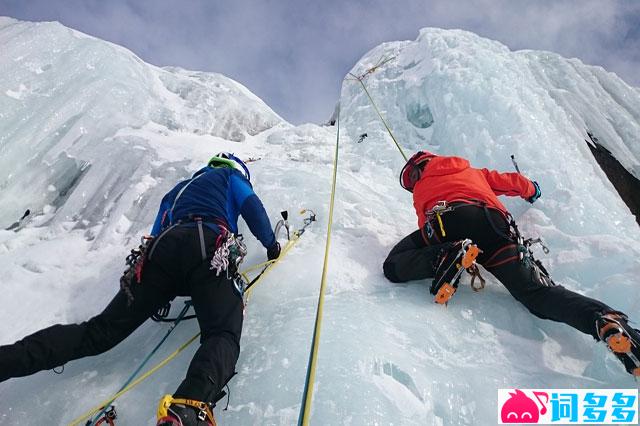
(294,53)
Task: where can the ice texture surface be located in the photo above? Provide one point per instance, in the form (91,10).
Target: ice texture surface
(91,138)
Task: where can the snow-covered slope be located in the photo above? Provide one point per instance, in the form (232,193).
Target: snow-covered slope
(64,98)
(115,133)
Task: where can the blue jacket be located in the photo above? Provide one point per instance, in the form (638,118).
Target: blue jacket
(218,195)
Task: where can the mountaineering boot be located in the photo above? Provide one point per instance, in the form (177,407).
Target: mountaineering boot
(184,412)
(179,415)
(452,262)
(622,340)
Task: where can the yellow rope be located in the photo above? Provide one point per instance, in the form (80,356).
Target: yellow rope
(271,263)
(307,398)
(133,384)
(360,79)
(258,266)
(383,120)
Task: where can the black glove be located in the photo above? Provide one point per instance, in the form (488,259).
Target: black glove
(273,252)
(537,194)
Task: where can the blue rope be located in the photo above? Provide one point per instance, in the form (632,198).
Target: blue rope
(179,318)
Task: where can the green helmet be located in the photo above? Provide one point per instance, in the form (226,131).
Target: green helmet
(226,159)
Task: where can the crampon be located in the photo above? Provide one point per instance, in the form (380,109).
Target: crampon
(460,257)
(184,412)
(622,339)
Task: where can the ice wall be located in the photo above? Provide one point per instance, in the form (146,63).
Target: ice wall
(458,94)
(388,355)
(65,96)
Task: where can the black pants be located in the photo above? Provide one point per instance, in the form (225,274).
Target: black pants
(176,268)
(413,258)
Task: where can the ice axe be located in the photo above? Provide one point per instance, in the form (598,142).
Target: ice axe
(513,160)
(284,222)
(529,242)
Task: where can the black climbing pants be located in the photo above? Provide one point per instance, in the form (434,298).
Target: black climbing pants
(414,258)
(176,268)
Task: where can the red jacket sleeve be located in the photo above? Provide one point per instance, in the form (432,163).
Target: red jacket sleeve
(510,184)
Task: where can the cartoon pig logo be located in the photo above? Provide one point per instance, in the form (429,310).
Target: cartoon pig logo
(522,409)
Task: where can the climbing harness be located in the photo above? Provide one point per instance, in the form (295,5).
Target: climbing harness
(229,254)
(204,409)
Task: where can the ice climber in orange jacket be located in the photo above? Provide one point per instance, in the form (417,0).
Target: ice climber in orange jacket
(462,223)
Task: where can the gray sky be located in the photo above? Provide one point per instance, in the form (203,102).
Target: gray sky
(294,53)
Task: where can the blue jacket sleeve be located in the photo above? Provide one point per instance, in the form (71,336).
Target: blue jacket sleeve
(252,211)
(163,213)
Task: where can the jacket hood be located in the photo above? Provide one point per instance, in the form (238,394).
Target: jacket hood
(439,166)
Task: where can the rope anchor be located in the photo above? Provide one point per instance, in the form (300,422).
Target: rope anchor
(360,79)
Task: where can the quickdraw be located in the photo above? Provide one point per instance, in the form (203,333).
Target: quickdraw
(229,254)
(475,273)
(135,262)
(437,211)
(108,417)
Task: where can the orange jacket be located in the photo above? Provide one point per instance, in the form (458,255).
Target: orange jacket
(453,179)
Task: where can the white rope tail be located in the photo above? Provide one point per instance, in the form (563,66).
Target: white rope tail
(230,252)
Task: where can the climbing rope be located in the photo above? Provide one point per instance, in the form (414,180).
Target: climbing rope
(360,79)
(180,317)
(133,384)
(266,266)
(307,397)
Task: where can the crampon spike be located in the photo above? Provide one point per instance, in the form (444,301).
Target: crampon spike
(445,293)
(617,342)
(470,256)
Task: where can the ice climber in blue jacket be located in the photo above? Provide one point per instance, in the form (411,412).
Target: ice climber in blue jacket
(194,250)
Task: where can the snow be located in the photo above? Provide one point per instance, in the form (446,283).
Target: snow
(97,136)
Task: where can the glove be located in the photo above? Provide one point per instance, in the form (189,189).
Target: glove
(537,194)
(273,252)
